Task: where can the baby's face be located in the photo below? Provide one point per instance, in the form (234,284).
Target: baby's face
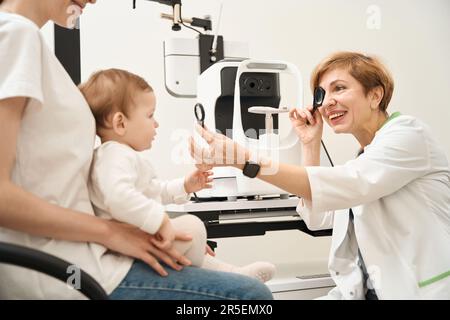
(141,126)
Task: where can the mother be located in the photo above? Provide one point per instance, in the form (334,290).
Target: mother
(389,208)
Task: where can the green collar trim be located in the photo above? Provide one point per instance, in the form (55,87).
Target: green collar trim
(391,117)
(434,279)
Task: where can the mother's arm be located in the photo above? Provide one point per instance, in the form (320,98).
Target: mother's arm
(22,211)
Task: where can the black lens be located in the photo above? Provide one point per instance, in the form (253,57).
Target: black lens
(319,96)
(199,112)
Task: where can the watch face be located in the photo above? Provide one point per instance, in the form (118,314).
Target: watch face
(251,169)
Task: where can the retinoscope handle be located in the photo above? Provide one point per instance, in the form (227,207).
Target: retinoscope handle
(199,112)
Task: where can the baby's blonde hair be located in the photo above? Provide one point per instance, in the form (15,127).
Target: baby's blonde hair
(109,91)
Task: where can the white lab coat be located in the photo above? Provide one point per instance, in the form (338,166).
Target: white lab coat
(399,189)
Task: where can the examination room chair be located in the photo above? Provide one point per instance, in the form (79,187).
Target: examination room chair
(49,265)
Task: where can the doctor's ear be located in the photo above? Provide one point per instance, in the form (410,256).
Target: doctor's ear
(119,123)
(376,96)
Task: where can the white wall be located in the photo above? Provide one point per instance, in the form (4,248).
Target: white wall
(413,40)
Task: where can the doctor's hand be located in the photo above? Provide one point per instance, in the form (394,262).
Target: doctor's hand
(309,127)
(221,151)
(197,181)
(131,241)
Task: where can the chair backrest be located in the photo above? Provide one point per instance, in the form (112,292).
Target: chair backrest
(50,265)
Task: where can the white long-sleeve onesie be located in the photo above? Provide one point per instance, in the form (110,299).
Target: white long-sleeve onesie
(123,186)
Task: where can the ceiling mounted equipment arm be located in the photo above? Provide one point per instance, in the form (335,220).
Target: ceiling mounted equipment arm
(176,5)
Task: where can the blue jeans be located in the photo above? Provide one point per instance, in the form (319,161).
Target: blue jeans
(191,283)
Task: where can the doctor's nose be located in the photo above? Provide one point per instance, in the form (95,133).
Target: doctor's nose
(156,124)
(329,102)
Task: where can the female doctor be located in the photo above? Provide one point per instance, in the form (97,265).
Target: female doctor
(389,208)
(47,137)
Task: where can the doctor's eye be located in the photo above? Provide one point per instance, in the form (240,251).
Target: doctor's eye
(339,88)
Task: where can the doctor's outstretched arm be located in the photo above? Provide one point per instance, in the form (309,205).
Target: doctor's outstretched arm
(294,179)
(223,151)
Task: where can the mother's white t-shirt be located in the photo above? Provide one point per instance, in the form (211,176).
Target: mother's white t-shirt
(54,152)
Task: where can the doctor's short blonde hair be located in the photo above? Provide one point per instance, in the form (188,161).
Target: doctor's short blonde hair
(367,70)
(112,90)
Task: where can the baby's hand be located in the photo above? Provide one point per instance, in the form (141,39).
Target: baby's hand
(197,181)
(165,236)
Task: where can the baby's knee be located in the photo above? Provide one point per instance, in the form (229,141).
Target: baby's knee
(193,226)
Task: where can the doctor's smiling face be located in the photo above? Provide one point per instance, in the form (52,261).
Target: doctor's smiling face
(347,108)
(358,91)
(345,103)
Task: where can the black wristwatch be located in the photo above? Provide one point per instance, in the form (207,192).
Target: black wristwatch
(251,169)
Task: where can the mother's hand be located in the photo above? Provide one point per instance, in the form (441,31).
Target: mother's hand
(133,242)
(221,151)
(308,126)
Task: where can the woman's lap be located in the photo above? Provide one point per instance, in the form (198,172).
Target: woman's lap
(142,283)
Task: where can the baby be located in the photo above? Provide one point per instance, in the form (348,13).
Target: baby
(123,183)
